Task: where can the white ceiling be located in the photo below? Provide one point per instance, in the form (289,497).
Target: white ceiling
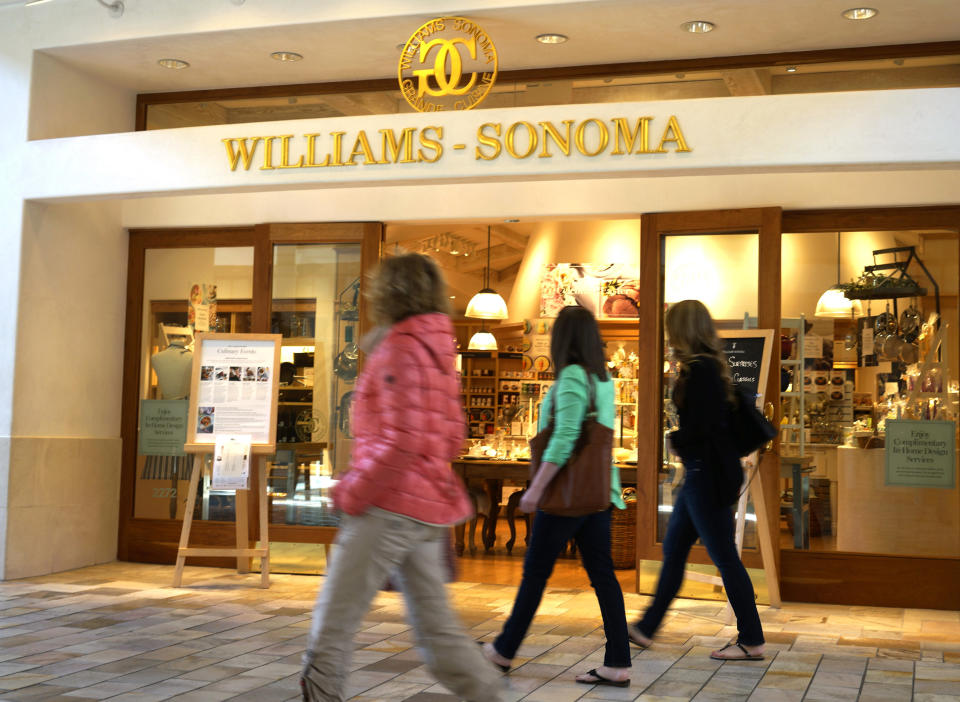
(600,31)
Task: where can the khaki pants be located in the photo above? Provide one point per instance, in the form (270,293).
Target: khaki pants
(369,548)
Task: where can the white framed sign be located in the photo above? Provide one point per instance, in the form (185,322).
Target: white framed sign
(234,388)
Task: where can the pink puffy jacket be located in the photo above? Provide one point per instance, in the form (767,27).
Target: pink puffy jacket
(408,425)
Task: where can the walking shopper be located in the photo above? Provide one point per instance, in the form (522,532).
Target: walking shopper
(400,496)
(702,393)
(582,380)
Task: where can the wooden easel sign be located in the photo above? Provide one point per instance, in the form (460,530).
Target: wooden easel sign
(233,399)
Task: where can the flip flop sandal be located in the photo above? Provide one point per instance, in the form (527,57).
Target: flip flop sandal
(745,657)
(600,680)
(503,668)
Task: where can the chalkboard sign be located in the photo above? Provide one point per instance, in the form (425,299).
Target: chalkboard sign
(748,354)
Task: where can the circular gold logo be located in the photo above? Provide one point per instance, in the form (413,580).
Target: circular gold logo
(449,63)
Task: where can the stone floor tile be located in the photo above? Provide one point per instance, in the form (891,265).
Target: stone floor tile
(878,692)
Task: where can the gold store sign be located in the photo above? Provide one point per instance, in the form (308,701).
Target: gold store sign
(449,63)
(593,137)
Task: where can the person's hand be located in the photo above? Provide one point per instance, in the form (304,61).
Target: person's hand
(529,501)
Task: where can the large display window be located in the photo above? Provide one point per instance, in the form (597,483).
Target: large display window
(300,281)
(869,391)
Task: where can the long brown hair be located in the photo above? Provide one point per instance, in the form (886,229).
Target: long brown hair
(693,335)
(406,285)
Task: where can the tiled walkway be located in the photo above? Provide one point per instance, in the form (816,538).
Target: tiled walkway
(119,632)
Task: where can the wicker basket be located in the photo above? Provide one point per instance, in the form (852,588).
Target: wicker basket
(623,537)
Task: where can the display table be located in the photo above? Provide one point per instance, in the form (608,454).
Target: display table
(875,518)
(494,474)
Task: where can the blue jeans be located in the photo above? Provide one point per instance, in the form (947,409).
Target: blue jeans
(549,535)
(699,513)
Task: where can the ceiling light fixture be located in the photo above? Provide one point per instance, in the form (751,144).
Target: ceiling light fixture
(859,13)
(487,304)
(791,69)
(833,303)
(115,7)
(286,56)
(550,38)
(482,341)
(175,64)
(698,26)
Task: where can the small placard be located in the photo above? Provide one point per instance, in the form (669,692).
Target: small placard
(231,463)
(163,427)
(866,342)
(813,346)
(920,454)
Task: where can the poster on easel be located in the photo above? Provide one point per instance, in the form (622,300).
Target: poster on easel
(234,388)
(232,416)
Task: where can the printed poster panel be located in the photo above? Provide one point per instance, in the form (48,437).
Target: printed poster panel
(163,427)
(609,291)
(921,454)
(536,345)
(203,306)
(234,395)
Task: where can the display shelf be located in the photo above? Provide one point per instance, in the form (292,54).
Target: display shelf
(298,341)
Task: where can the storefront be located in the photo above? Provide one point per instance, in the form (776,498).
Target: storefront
(117,235)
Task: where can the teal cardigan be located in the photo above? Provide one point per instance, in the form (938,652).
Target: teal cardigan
(569,396)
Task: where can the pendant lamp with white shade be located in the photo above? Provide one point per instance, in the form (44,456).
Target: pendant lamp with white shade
(833,303)
(487,304)
(482,341)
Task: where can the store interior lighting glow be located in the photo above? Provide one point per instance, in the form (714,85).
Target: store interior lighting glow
(487,304)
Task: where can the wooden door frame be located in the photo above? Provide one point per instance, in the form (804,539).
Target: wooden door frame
(653,228)
(839,577)
(156,540)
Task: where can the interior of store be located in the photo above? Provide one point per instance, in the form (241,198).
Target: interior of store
(890,354)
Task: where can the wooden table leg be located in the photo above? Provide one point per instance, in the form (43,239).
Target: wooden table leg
(495,491)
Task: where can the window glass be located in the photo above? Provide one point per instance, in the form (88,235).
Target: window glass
(179,284)
(869,392)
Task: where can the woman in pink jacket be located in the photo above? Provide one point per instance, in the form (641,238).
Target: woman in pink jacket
(400,496)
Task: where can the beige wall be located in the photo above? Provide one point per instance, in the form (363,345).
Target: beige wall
(62,495)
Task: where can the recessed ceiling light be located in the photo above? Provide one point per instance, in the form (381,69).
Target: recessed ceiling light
(550,38)
(791,69)
(173,63)
(859,13)
(698,26)
(286,56)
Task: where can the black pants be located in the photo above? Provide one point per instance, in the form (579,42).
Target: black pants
(550,535)
(699,513)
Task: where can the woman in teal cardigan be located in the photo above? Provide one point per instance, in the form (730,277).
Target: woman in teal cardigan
(577,352)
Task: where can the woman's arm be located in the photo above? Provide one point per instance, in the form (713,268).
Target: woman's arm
(570,400)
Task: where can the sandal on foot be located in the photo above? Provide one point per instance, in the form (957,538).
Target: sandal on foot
(637,638)
(747,656)
(483,649)
(600,680)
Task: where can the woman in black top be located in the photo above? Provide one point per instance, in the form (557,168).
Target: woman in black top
(702,394)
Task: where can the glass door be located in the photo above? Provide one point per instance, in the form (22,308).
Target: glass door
(718,258)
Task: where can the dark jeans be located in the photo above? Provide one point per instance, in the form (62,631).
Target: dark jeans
(550,534)
(698,512)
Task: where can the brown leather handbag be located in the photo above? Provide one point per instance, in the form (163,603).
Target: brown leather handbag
(582,486)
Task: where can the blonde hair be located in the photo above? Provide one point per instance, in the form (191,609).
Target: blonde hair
(693,335)
(406,285)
